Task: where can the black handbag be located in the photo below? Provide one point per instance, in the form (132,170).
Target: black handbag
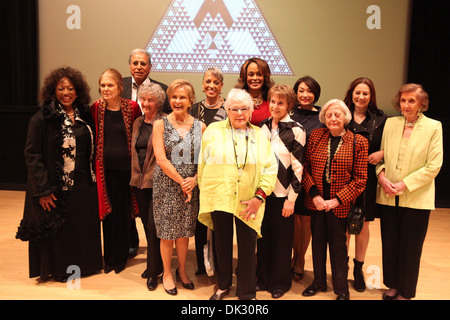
(357,214)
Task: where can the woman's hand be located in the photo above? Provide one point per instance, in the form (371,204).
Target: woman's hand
(331,204)
(387,185)
(320,203)
(375,157)
(188,184)
(47,203)
(288,208)
(252,208)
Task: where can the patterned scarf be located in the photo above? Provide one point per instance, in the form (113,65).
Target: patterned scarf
(127,113)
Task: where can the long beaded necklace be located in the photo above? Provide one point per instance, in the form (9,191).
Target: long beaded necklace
(240,170)
(328,166)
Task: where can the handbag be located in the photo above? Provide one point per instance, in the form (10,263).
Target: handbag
(208,254)
(357,214)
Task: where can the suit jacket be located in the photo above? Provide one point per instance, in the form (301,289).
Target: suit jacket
(126,93)
(347,160)
(422,162)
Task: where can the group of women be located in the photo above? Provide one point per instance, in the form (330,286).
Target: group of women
(266,159)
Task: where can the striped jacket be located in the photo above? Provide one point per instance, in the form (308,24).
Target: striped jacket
(288,144)
(343,187)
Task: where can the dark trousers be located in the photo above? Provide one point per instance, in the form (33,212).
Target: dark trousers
(145,202)
(116,225)
(246,243)
(275,247)
(403,232)
(327,229)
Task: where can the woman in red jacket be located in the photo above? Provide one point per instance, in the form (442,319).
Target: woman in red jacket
(335,173)
(114,117)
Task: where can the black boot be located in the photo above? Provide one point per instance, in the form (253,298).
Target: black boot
(359,284)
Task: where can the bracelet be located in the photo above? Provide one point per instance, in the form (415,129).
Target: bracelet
(257,196)
(260,194)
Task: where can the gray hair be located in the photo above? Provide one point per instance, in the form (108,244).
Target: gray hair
(138,50)
(341,104)
(239,97)
(154,90)
(216,73)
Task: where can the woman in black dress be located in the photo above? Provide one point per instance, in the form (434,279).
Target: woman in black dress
(368,121)
(61,213)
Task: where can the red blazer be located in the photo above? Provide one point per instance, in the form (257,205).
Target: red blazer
(130,111)
(343,186)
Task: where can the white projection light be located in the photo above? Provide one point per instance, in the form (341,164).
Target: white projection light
(195,35)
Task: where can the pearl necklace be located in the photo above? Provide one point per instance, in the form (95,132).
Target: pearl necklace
(410,124)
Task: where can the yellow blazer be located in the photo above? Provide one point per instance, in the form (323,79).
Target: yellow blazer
(422,161)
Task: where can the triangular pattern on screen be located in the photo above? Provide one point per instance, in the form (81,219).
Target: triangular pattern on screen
(195,35)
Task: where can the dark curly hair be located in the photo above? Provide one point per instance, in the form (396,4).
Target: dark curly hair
(48,91)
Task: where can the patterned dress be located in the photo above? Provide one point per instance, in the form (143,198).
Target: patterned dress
(174,218)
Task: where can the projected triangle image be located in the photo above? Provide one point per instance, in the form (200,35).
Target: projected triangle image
(195,35)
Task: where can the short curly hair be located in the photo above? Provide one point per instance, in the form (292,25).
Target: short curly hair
(48,91)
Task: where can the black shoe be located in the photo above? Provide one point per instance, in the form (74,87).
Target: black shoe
(189,286)
(108,269)
(132,252)
(219,296)
(312,290)
(359,283)
(388,297)
(343,296)
(173,291)
(199,272)
(144,274)
(277,294)
(152,283)
(120,268)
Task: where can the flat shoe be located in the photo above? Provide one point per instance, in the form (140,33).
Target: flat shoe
(277,294)
(312,290)
(152,283)
(219,296)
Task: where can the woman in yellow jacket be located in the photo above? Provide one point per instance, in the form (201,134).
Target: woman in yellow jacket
(236,171)
(413,155)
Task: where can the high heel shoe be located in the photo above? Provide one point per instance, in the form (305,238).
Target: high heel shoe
(172,292)
(189,286)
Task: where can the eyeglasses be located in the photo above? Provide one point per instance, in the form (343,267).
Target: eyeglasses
(337,115)
(236,110)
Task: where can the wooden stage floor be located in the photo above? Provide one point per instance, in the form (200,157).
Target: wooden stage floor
(434,279)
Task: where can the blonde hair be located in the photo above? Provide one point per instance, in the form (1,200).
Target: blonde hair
(116,76)
(181,83)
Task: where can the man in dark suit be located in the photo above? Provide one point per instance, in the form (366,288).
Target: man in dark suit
(140,67)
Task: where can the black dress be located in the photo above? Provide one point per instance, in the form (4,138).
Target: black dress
(74,238)
(372,129)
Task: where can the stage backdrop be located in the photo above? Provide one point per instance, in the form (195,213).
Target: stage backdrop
(333,41)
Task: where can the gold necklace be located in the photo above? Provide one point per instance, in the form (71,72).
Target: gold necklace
(328,166)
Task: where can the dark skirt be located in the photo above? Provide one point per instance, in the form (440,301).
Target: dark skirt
(77,242)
